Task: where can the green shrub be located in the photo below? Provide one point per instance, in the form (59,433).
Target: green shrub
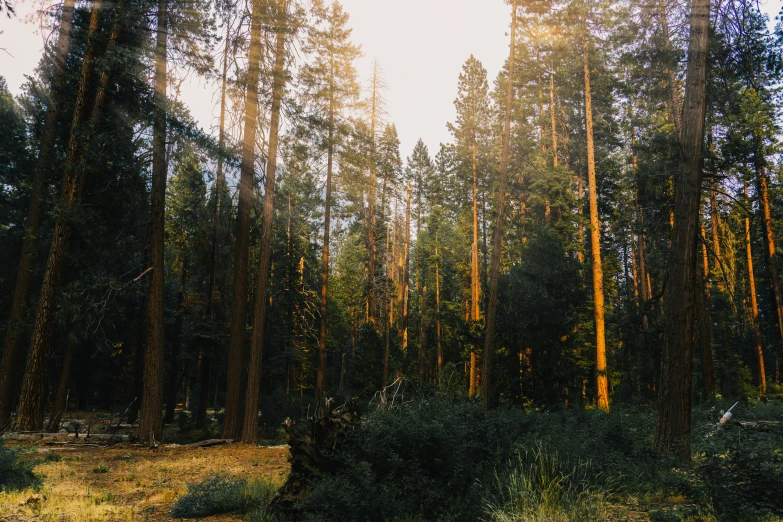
(15,474)
(541,486)
(225,494)
(739,469)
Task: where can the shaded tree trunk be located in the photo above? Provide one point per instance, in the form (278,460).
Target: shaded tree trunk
(171,392)
(208,352)
(754,307)
(406,272)
(497,236)
(234,410)
(707,331)
(60,403)
(151,422)
(672,434)
(13,353)
(34,383)
(772,260)
(250,427)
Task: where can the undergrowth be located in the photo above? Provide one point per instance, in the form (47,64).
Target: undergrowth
(448,460)
(219,494)
(14,473)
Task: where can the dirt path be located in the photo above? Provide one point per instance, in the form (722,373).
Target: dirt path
(129,482)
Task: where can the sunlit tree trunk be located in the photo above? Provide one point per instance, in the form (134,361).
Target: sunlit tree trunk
(250,428)
(672,434)
(602,384)
(234,390)
(151,422)
(32,397)
(13,353)
(497,236)
(475,283)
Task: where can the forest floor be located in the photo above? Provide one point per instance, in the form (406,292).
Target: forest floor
(128,482)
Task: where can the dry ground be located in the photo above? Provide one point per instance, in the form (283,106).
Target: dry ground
(129,482)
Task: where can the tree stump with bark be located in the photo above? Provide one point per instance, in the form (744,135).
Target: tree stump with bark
(311,448)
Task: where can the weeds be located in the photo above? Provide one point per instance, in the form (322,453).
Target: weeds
(541,486)
(225,494)
(15,474)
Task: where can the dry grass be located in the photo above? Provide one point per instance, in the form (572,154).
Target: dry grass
(130,482)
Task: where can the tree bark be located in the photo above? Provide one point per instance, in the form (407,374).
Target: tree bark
(552,114)
(234,410)
(208,352)
(772,260)
(33,391)
(707,331)
(60,404)
(406,272)
(250,427)
(13,354)
(497,236)
(672,434)
(371,203)
(321,375)
(151,421)
(437,306)
(602,385)
(754,306)
(475,284)
(171,391)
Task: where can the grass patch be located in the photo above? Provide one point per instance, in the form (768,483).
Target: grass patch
(541,486)
(15,474)
(225,494)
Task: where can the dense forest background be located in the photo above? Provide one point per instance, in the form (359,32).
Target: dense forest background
(291,252)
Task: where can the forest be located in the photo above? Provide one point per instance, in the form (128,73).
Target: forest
(571,310)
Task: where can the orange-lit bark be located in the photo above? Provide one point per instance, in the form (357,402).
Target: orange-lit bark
(754,307)
(602,383)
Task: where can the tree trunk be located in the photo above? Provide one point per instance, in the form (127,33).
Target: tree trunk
(674,91)
(406,272)
(754,306)
(60,404)
(437,306)
(497,236)
(772,261)
(552,114)
(672,434)
(171,392)
(208,352)
(387,322)
(34,382)
(150,423)
(250,427)
(602,384)
(475,284)
(707,332)
(233,420)
(371,203)
(319,382)
(13,354)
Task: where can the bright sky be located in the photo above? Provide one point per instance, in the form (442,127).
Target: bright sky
(420,45)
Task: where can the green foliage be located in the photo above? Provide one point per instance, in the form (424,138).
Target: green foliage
(14,473)
(225,494)
(738,469)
